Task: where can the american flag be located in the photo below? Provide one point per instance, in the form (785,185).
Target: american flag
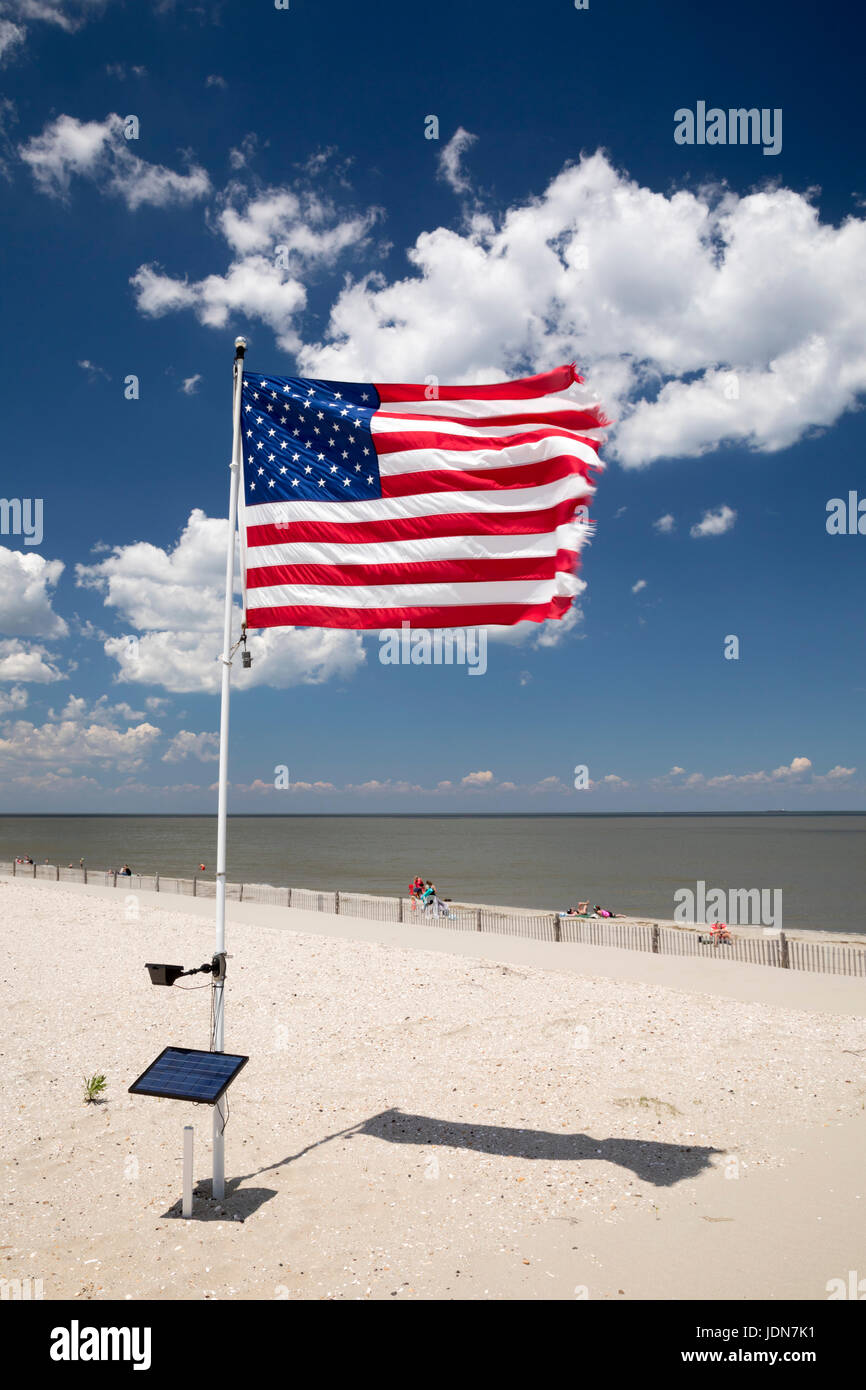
(366,505)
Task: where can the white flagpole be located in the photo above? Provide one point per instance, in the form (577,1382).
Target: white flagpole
(218,1038)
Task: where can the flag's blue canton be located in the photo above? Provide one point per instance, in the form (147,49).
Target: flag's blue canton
(304,439)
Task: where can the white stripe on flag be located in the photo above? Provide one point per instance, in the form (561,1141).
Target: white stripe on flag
(522,408)
(415,595)
(489,502)
(425,459)
(394,424)
(423,548)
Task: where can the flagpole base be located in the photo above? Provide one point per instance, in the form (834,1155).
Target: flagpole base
(188,1133)
(219,1151)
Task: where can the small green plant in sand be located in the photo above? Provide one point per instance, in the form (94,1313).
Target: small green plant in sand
(93,1087)
(661,1107)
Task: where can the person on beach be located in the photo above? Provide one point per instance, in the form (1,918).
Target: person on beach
(719,933)
(606,912)
(416,888)
(125,872)
(431,902)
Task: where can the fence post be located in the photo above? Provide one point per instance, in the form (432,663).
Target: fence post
(655,938)
(34,868)
(337,902)
(399,909)
(57,876)
(156,882)
(194,881)
(785,960)
(289,899)
(557,927)
(478,919)
(241,898)
(114,878)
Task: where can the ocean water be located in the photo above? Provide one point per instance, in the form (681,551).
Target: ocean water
(631,864)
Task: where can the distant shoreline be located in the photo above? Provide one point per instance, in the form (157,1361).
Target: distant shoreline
(206,886)
(630,863)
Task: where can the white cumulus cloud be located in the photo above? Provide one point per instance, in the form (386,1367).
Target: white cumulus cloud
(99,150)
(664,298)
(28,661)
(477,779)
(14,699)
(27,580)
(451,160)
(688,310)
(11,37)
(17,15)
(797,768)
(275,239)
(186,744)
(172,602)
(714,523)
(70,741)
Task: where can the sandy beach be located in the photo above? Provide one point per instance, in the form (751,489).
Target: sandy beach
(425,1113)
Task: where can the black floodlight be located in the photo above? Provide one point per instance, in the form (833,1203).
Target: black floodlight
(167,974)
(164,974)
(184,1073)
(246,660)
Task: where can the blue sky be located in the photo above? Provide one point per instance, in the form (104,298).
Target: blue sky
(711,294)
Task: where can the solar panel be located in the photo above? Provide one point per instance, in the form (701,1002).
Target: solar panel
(185,1073)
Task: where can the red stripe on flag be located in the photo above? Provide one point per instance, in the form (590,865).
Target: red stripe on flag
(484,479)
(416,571)
(470,615)
(526,523)
(546,384)
(589,418)
(399,442)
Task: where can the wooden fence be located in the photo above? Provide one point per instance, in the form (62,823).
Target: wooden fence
(779,950)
